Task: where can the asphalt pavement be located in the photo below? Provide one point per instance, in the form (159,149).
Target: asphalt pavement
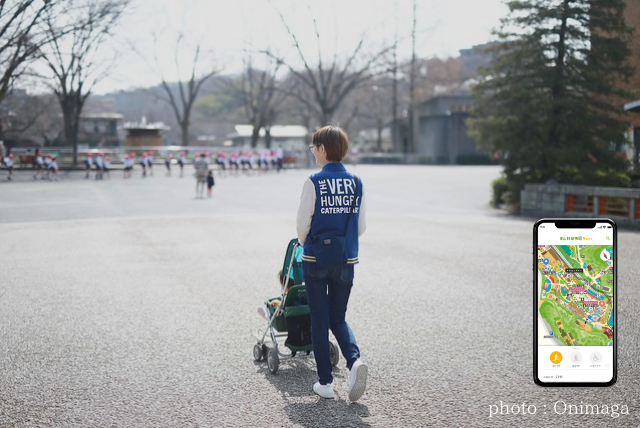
(131,303)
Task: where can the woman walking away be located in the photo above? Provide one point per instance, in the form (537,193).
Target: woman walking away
(330,220)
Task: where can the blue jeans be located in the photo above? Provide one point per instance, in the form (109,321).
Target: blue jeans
(328,293)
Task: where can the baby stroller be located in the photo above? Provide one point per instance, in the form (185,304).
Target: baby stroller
(288,316)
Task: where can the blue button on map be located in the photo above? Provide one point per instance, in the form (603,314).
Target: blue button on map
(545,261)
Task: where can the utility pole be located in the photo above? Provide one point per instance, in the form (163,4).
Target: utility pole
(395,130)
(411,146)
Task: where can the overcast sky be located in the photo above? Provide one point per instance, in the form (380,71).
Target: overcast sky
(146,35)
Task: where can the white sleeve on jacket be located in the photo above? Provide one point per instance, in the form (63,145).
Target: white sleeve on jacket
(306,210)
(362,220)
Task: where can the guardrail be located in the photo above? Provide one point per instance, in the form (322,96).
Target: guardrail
(617,203)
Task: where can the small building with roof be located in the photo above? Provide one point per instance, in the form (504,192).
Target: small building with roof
(99,129)
(142,134)
(441,131)
(289,137)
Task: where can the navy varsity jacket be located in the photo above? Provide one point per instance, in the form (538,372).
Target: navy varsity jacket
(335,190)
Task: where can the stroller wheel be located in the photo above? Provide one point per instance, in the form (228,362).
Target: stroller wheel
(265,351)
(293,353)
(257,353)
(334,354)
(273,361)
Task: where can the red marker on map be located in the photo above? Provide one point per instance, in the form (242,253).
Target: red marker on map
(601,303)
(584,292)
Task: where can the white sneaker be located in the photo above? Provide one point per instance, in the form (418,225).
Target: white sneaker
(357,380)
(324,391)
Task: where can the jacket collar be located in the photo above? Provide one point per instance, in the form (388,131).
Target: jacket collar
(334,166)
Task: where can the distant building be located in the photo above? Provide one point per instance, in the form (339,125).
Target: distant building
(290,137)
(99,129)
(441,130)
(473,59)
(142,134)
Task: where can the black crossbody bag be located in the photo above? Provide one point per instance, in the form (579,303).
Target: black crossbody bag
(330,248)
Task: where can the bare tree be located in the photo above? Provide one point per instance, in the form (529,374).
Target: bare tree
(73,56)
(329,83)
(373,99)
(182,94)
(260,95)
(20,37)
(20,114)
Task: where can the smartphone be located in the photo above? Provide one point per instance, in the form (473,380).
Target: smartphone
(574,302)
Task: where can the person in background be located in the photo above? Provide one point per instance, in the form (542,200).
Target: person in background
(8,163)
(47,162)
(280,158)
(143,164)
(106,165)
(221,160)
(53,169)
(125,163)
(167,163)
(150,162)
(99,165)
(210,183)
(39,163)
(201,174)
(35,156)
(182,161)
(88,164)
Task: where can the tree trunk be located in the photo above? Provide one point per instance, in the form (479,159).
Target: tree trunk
(184,131)
(379,142)
(255,136)
(326,117)
(557,94)
(76,126)
(69,138)
(267,136)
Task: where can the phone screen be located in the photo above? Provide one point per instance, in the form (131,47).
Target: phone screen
(574,302)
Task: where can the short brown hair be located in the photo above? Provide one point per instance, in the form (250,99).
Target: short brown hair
(334,140)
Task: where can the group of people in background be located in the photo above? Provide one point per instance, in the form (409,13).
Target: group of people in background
(98,164)
(101,163)
(260,160)
(46,166)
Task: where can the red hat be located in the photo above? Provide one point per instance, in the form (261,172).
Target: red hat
(182,153)
(11,156)
(99,153)
(48,155)
(206,153)
(196,154)
(126,156)
(89,154)
(133,154)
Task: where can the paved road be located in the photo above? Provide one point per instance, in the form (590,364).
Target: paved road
(131,303)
